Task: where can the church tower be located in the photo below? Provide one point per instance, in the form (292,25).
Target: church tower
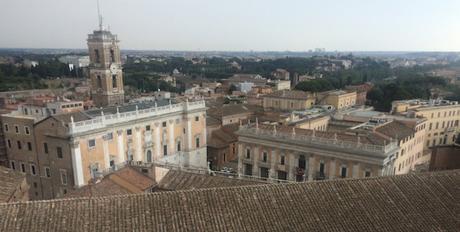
(105,67)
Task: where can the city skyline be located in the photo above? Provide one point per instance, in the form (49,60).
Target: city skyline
(236,26)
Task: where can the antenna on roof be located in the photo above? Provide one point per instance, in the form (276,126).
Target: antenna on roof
(99,15)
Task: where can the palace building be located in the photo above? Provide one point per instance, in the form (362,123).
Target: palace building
(294,154)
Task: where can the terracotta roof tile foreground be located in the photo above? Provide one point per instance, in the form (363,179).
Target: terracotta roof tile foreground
(417,202)
(124,181)
(179,180)
(10,180)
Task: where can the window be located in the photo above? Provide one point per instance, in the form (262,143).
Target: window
(248,153)
(26,130)
(32,169)
(149,156)
(23,168)
(6,127)
(114,81)
(19,145)
(59,152)
(47,172)
(112,55)
(45,147)
(197,119)
(321,168)
(165,150)
(164,124)
(97,56)
(343,172)
(282,160)
(147,128)
(63,176)
(29,146)
(197,142)
(35,185)
(178,146)
(429,128)
(9,143)
(264,156)
(99,82)
(367,173)
(16,128)
(91,143)
(129,132)
(12,165)
(109,136)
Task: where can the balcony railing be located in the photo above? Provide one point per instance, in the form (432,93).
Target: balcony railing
(105,120)
(309,139)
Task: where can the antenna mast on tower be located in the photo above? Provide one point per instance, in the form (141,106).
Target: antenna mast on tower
(99,16)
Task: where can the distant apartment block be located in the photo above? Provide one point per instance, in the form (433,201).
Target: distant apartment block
(285,100)
(442,116)
(338,98)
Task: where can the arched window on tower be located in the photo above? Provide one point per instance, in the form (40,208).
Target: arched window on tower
(97,56)
(99,82)
(112,55)
(114,81)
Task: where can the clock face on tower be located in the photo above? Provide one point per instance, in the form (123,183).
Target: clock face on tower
(113,68)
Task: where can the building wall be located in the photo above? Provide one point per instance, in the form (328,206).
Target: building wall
(319,124)
(313,160)
(411,150)
(285,104)
(341,101)
(218,157)
(22,159)
(235,118)
(442,126)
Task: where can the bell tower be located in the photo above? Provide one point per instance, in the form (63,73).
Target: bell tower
(105,69)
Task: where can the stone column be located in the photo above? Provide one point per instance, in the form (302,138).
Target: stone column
(138,154)
(332,170)
(172,146)
(292,166)
(240,159)
(121,146)
(105,148)
(188,133)
(205,139)
(311,167)
(77,166)
(273,163)
(157,144)
(255,167)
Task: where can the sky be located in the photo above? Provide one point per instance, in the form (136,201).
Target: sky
(237,25)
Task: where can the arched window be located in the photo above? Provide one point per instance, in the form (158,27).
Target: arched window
(112,55)
(99,81)
(97,56)
(149,156)
(114,81)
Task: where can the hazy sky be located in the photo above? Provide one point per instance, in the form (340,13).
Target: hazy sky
(296,25)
